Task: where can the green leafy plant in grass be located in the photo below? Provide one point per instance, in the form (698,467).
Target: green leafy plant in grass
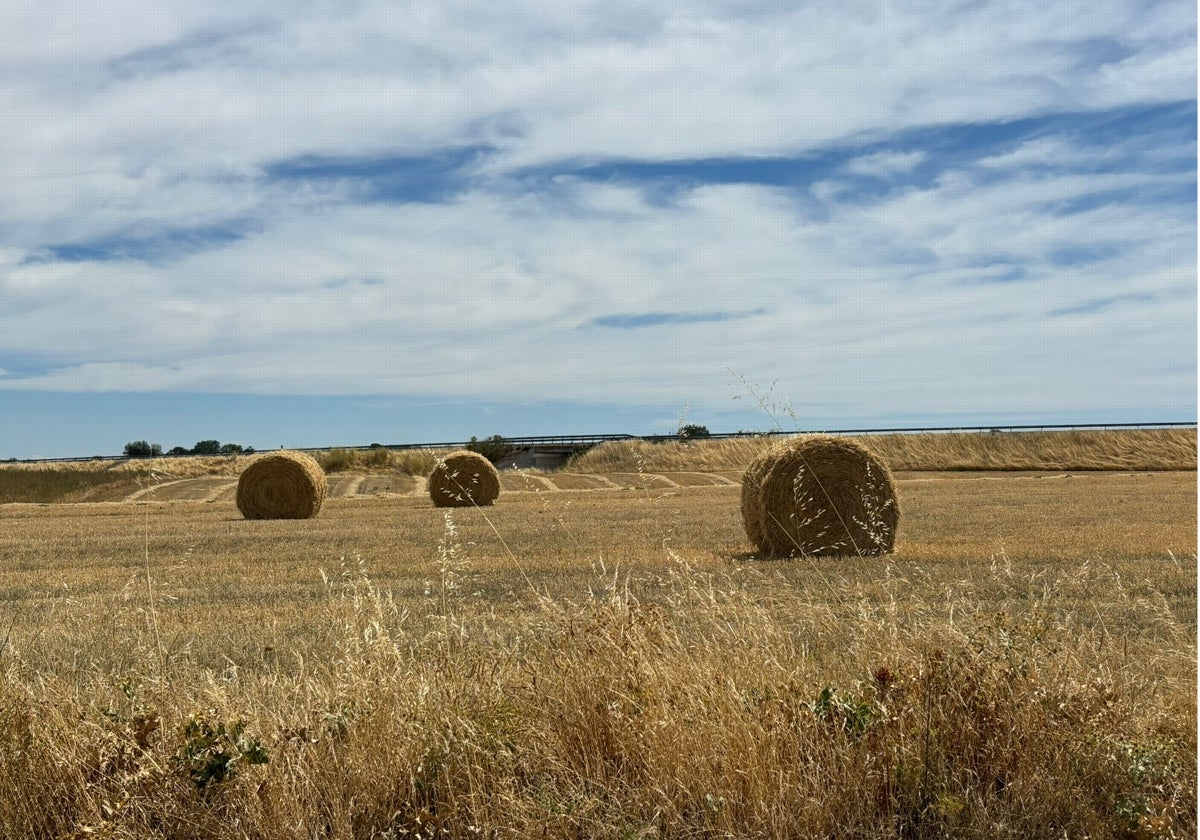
(214,750)
(854,716)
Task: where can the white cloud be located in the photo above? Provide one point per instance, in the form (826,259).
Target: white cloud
(494,296)
(134,130)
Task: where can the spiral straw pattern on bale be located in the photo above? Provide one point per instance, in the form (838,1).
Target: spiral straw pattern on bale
(282,485)
(820,496)
(464,479)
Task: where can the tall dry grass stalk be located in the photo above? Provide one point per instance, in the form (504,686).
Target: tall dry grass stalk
(1166,449)
(709,712)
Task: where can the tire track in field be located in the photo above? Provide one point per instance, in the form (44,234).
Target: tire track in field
(607,482)
(526,483)
(694,478)
(222,490)
(350,486)
(142,492)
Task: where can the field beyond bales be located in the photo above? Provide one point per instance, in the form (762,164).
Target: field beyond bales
(1142,449)
(607,663)
(1154,449)
(83,481)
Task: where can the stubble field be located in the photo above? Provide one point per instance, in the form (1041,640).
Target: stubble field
(601,655)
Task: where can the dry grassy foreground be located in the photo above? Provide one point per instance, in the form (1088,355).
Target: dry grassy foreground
(604,664)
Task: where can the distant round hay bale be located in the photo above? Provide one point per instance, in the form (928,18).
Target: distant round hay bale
(282,485)
(822,496)
(464,479)
(751,485)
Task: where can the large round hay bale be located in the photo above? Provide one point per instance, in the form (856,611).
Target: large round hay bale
(463,479)
(751,485)
(822,496)
(282,485)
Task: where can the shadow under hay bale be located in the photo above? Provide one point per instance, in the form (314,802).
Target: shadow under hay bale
(282,485)
(820,496)
(464,479)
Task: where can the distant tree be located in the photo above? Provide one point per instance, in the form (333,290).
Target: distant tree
(691,431)
(142,449)
(230,449)
(207,447)
(249,450)
(495,448)
(177,451)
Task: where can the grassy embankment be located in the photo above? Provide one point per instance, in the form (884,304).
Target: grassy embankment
(1150,449)
(603,665)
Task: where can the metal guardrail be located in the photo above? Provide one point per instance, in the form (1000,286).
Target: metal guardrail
(593,440)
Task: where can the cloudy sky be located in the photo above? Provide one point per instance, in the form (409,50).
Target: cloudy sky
(325,222)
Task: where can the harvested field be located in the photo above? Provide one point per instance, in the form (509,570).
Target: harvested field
(640,480)
(355,485)
(699,479)
(595,655)
(522,481)
(384,485)
(953,523)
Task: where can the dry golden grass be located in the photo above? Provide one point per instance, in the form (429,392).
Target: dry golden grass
(1156,449)
(603,664)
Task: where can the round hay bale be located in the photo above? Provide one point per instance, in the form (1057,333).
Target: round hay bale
(824,496)
(464,479)
(282,485)
(751,485)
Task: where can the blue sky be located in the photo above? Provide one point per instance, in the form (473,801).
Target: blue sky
(395,222)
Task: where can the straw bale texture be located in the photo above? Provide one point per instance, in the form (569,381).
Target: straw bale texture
(464,479)
(823,495)
(282,485)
